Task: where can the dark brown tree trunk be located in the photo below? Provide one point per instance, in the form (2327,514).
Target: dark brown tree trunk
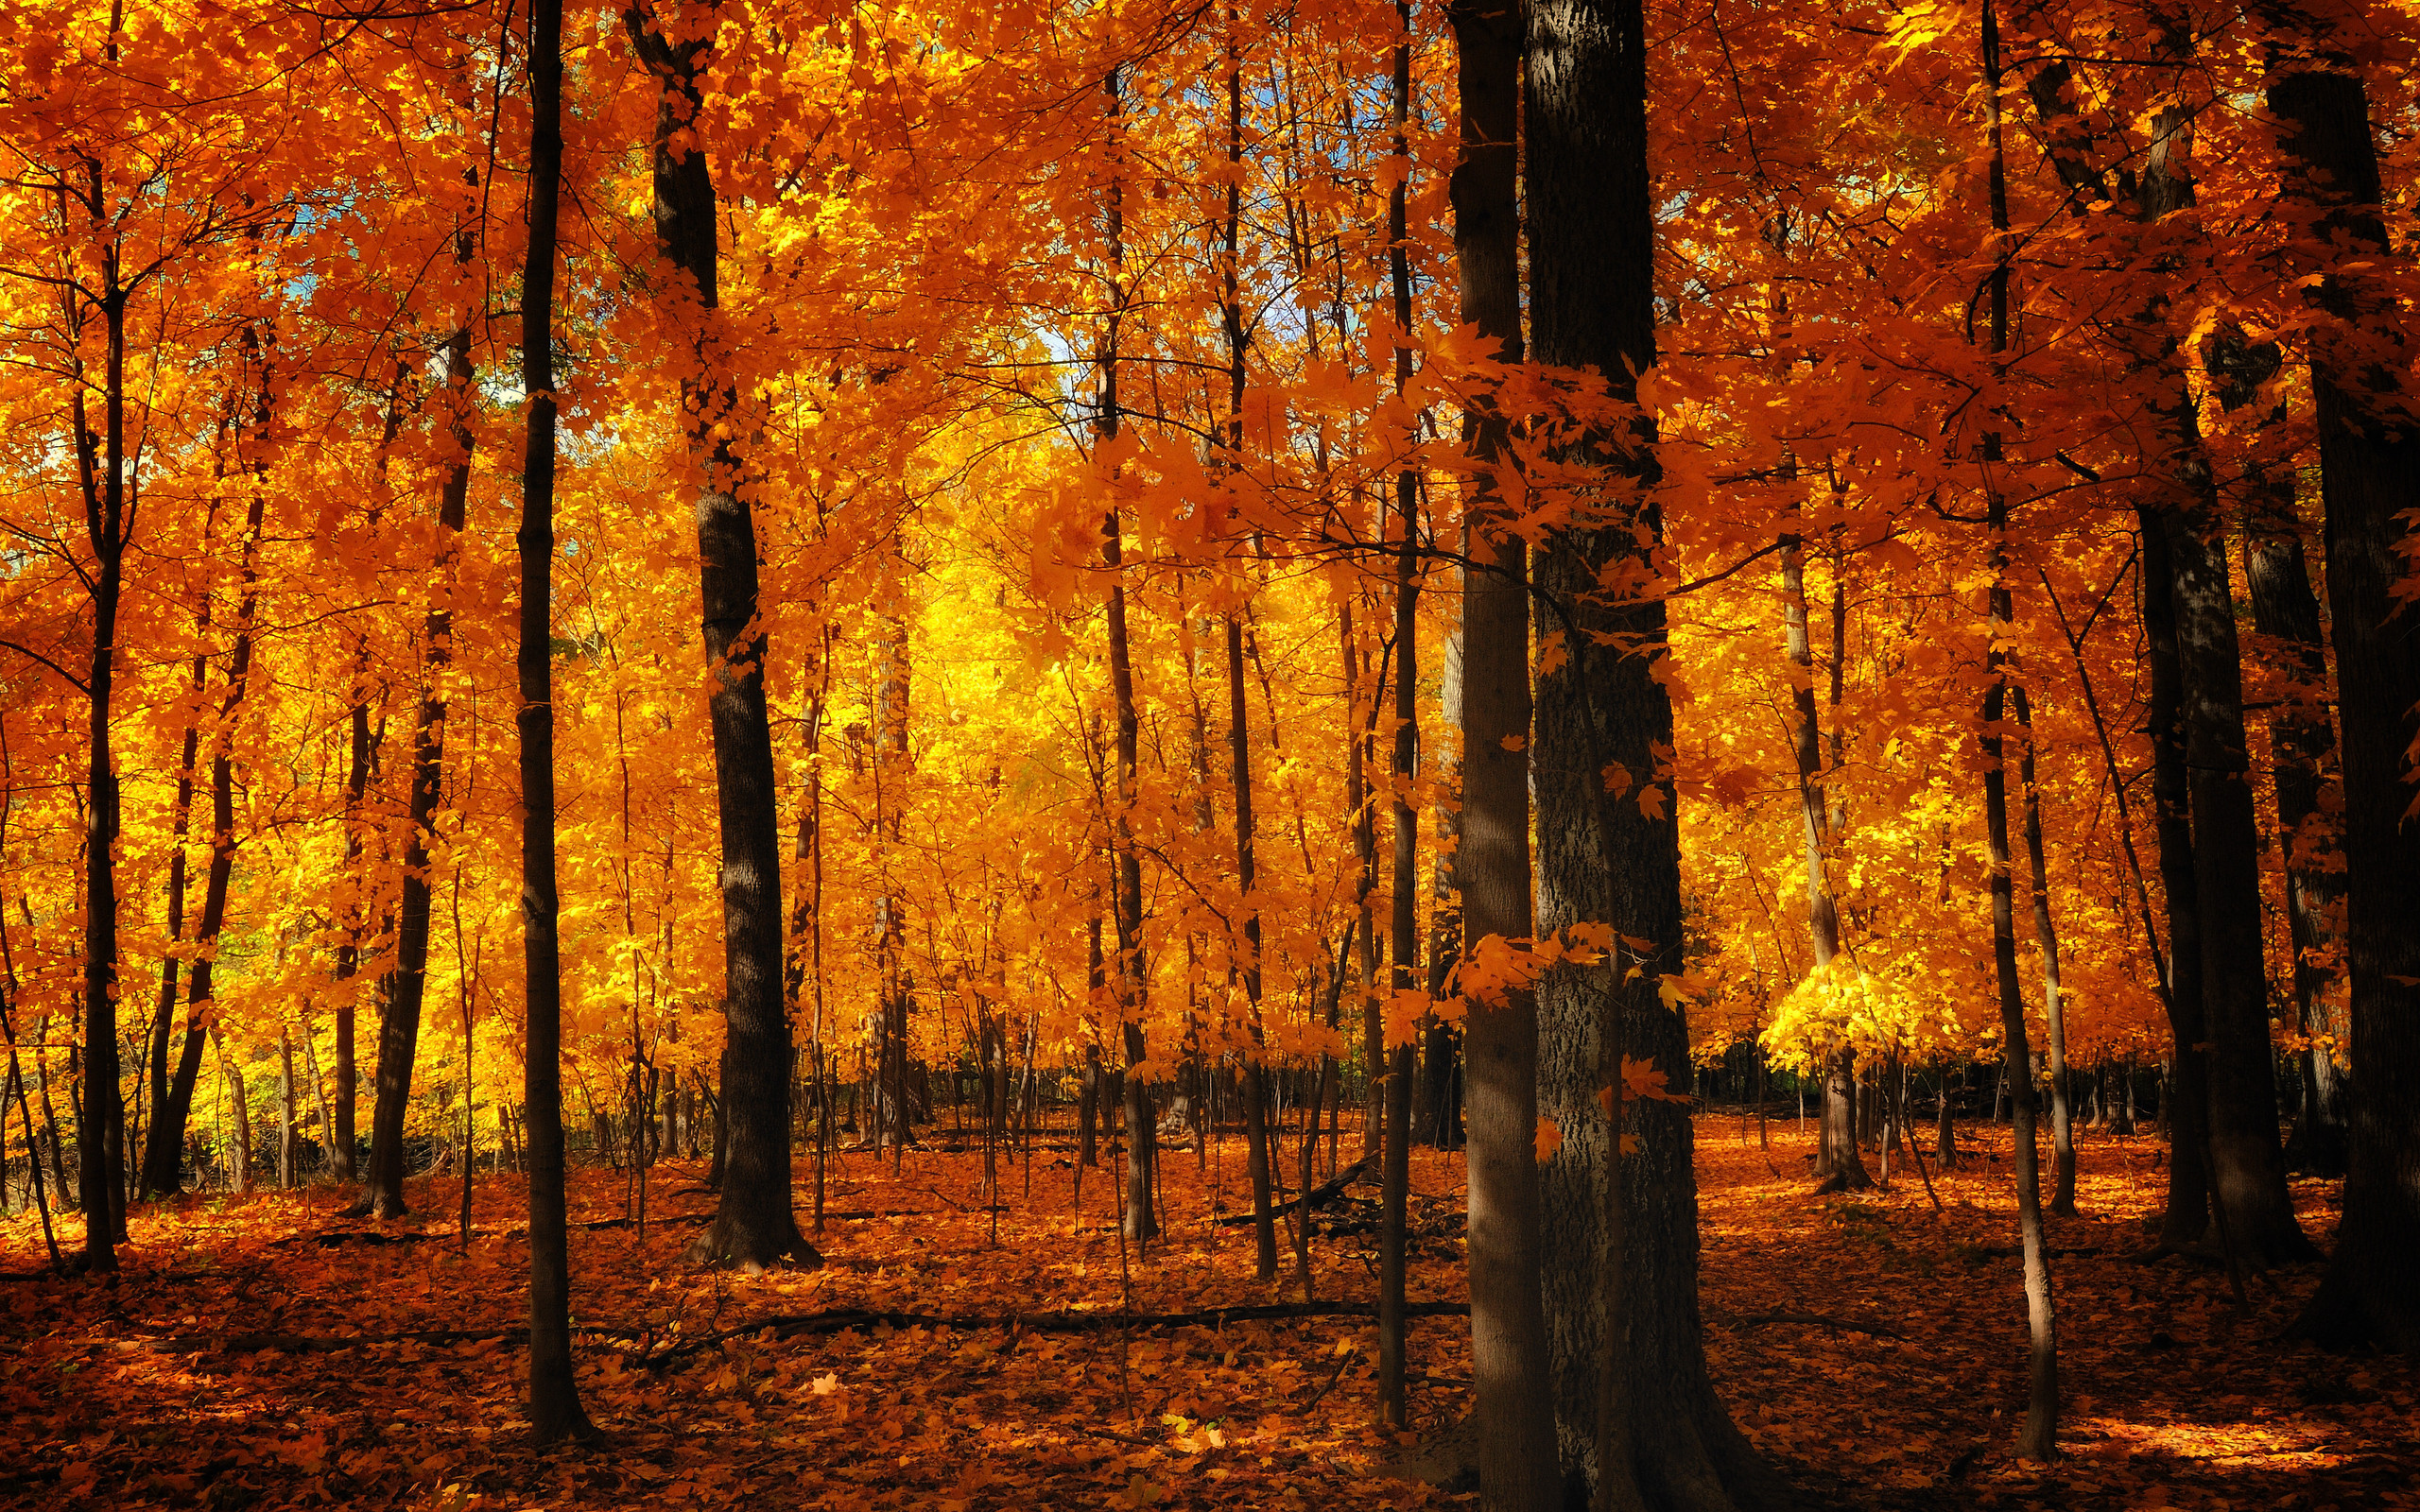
(2247,1165)
(1592,248)
(754,1226)
(163,1160)
(1437,1118)
(1256,1132)
(2183,1102)
(554,1411)
(101,467)
(2302,741)
(2369,475)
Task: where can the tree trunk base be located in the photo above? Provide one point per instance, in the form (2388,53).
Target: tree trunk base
(1848,1179)
(729,1244)
(1689,1458)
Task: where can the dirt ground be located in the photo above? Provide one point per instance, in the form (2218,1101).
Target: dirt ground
(222,1366)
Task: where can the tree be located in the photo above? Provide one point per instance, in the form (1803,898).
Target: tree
(754,1226)
(1608,840)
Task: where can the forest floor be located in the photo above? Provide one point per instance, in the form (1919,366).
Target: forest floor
(227,1366)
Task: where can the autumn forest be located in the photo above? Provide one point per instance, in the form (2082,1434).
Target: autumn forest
(1634,755)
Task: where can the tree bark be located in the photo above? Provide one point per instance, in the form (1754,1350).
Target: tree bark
(2247,1165)
(2038,1441)
(2369,473)
(1592,247)
(1511,1365)
(554,1411)
(754,1226)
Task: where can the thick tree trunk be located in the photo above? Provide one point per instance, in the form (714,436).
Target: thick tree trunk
(1592,247)
(754,1226)
(2302,742)
(2184,1104)
(2248,1167)
(554,1411)
(2369,475)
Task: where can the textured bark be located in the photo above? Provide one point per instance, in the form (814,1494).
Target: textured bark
(101,468)
(1509,1360)
(1591,238)
(2247,1165)
(555,1411)
(2302,768)
(2369,473)
(754,1226)
(2183,1106)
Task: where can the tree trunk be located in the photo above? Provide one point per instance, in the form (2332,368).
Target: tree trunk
(2302,743)
(407,987)
(1256,1130)
(554,1411)
(2038,1439)
(1395,1182)
(1592,247)
(2183,1103)
(2247,1165)
(2369,473)
(2054,1010)
(168,1117)
(753,1224)
(163,1160)
(1837,1165)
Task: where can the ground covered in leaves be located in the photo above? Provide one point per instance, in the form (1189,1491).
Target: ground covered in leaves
(247,1356)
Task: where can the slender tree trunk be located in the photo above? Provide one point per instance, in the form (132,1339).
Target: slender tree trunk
(169,1116)
(407,987)
(1403,885)
(2046,936)
(2369,475)
(554,1411)
(1256,1130)
(2038,1439)
(104,479)
(1837,1165)
(163,1160)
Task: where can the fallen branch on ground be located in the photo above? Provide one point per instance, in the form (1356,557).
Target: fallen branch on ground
(1318,1194)
(1821,1320)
